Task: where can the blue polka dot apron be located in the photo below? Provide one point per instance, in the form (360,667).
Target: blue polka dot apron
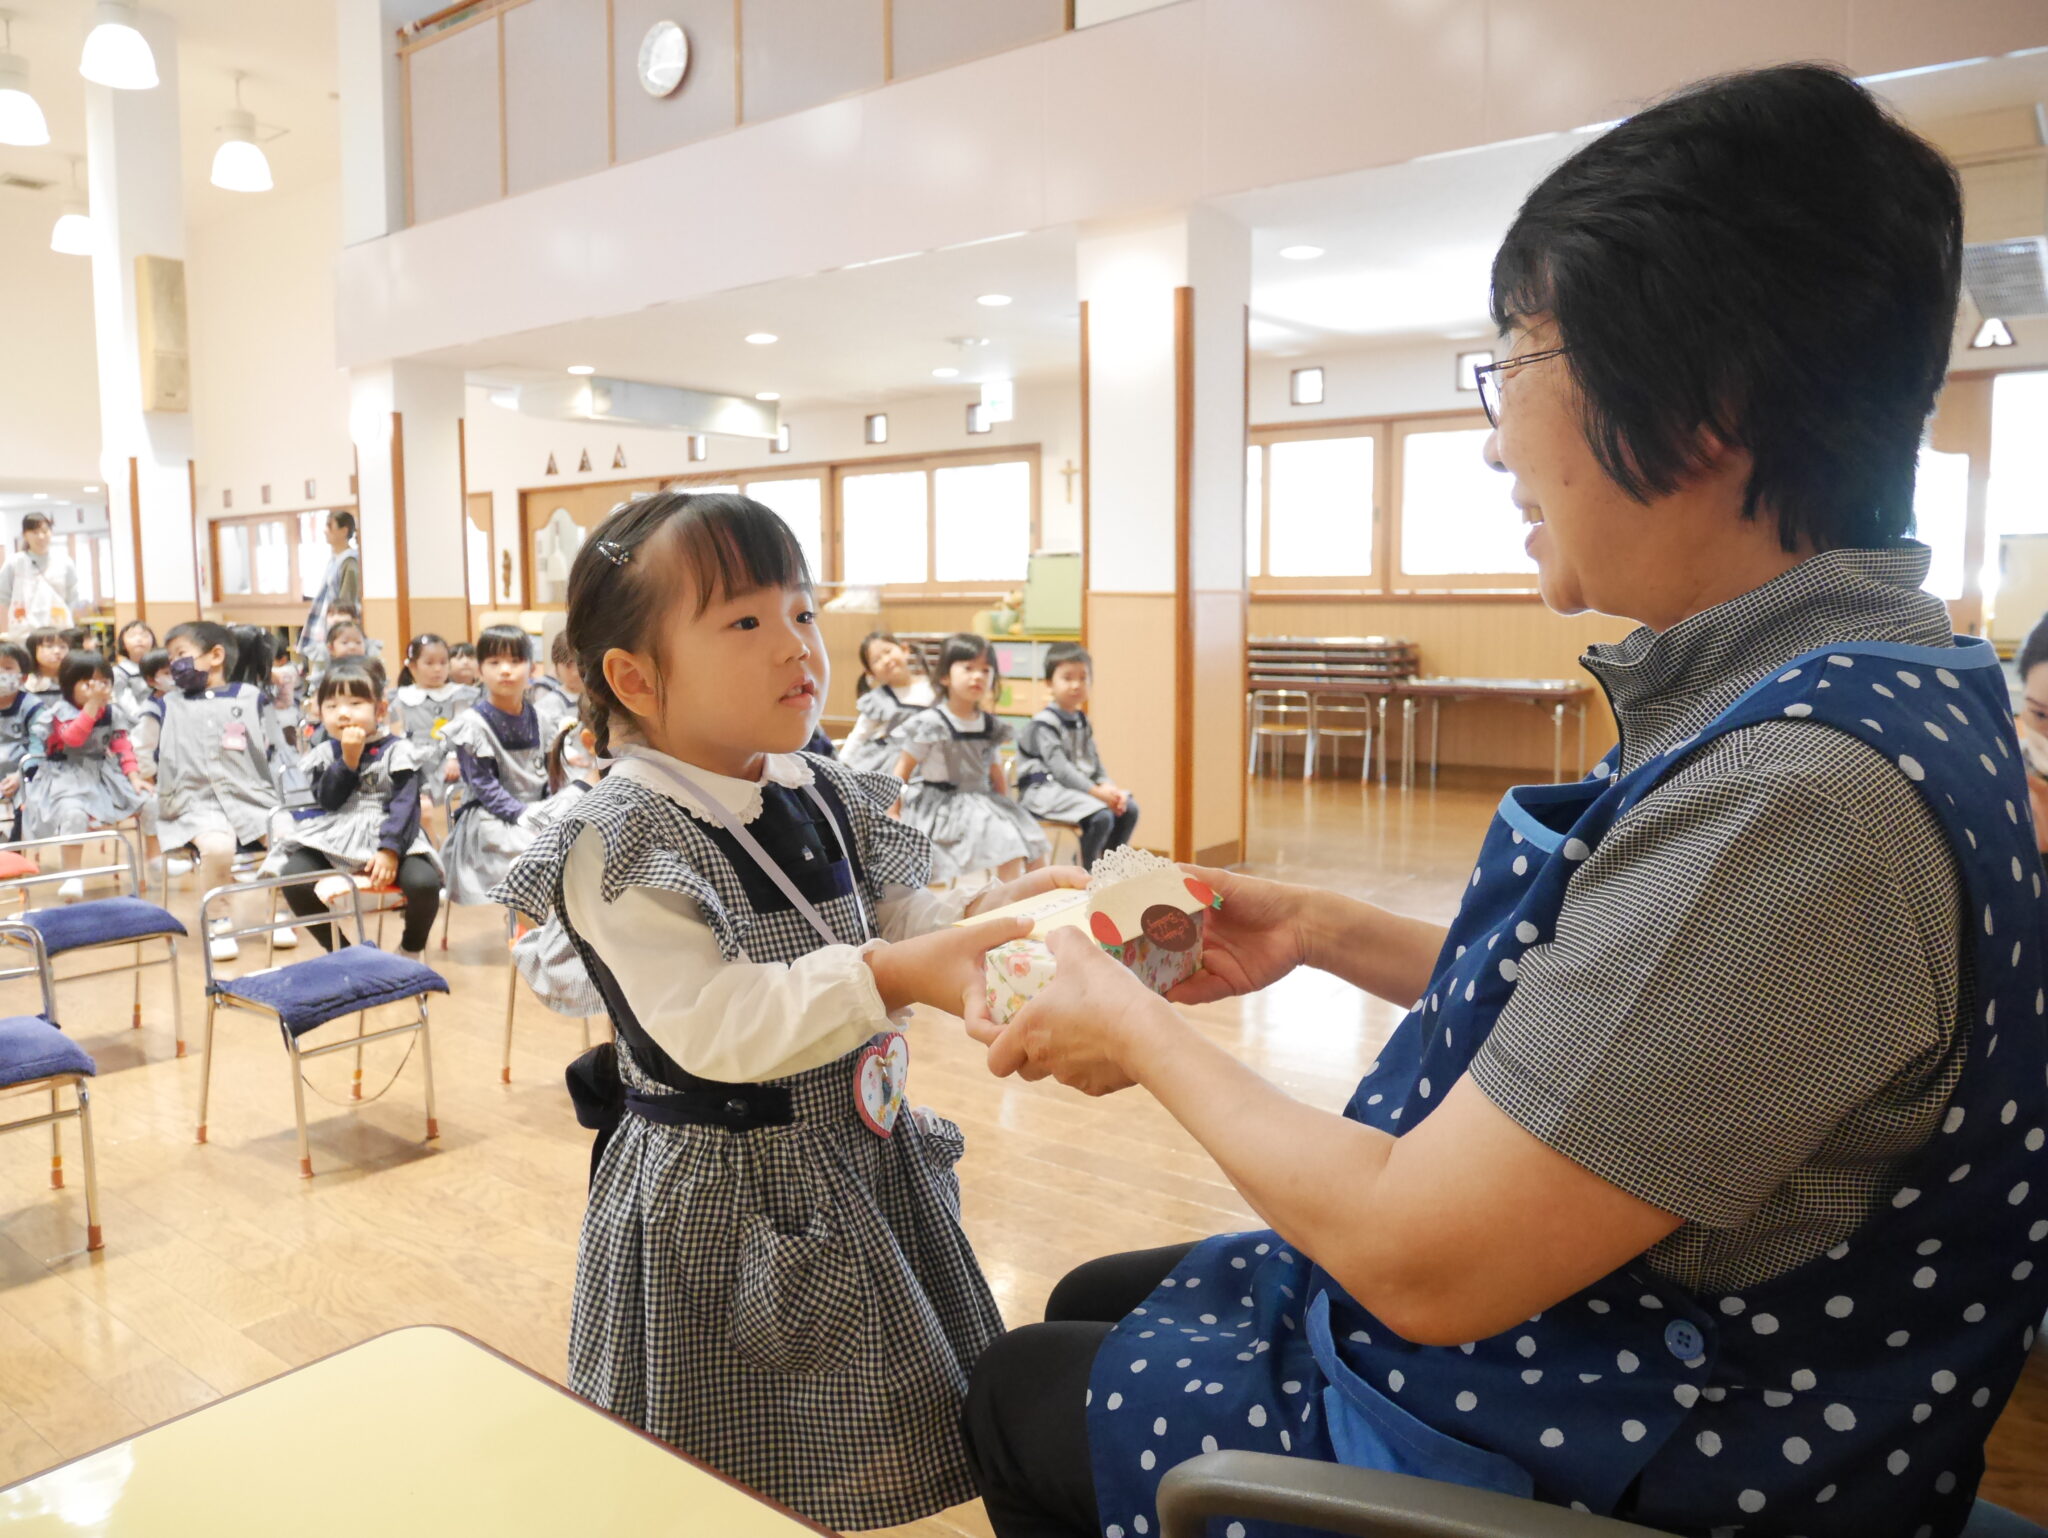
(1850,1396)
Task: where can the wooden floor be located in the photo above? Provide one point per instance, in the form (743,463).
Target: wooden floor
(223,1268)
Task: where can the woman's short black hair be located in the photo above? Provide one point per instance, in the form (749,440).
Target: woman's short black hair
(76,668)
(504,641)
(653,552)
(1771,257)
(352,678)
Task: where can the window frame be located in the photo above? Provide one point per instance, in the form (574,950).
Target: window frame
(287,602)
(1401,580)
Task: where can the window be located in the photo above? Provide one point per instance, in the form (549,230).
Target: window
(800,503)
(1255,510)
(885,516)
(231,563)
(314,552)
(1457,516)
(1319,507)
(1305,387)
(273,559)
(878,427)
(981,516)
(270,558)
(1941,515)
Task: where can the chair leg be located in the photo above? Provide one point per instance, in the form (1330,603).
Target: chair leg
(56,1145)
(92,1174)
(206,1063)
(135,1018)
(586,1032)
(511,1005)
(1308,756)
(299,1106)
(177,997)
(427,1068)
(447,918)
(355,1091)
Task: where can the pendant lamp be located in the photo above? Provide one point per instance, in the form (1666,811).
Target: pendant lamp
(116,54)
(240,165)
(21,119)
(72,233)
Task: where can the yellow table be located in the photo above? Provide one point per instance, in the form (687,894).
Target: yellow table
(420,1432)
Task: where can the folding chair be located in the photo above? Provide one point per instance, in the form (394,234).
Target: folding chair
(305,995)
(36,1056)
(517,929)
(101,923)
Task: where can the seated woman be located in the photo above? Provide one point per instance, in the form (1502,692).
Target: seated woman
(1703,1184)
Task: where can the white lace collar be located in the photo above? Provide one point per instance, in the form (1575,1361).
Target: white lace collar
(740,797)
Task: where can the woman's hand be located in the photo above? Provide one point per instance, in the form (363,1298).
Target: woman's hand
(945,969)
(1251,942)
(1049,878)
(1082,1029)
(382,869)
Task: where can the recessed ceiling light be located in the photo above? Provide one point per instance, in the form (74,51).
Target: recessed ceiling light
(42,496)
(767,395)
(945,373)
(92,488)
(993,301)
(762,338)
(1301,253)
(581,368)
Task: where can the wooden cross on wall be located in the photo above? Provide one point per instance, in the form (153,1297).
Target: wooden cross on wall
(1069,470)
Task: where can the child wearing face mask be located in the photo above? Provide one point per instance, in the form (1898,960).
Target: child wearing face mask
(207,742)
(366,781)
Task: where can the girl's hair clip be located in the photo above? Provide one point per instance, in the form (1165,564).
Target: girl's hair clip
(614,552)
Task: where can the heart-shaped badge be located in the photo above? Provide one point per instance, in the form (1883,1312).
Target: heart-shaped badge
(880,1080)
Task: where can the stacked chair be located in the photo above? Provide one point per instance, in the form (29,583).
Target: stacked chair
(37,1058)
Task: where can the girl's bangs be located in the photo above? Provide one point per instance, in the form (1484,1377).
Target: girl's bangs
(731,545)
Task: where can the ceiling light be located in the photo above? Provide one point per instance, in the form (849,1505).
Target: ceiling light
(581,368)
(239,165)
(762,338)
(767,395)
(1301,253)
(945,373)
(72,233)
(92,488)
(115,53)
(21,120)
(993,301)
(42,496)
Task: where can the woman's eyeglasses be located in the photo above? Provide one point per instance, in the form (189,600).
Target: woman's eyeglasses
(1488,377)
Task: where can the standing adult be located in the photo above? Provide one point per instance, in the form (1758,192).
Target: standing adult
(341,585)
(1704,1182)
(38,586)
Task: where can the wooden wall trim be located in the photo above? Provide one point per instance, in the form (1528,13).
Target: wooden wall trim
(1244,631)
(135,534)
(192,499)
(1085,546)
(1183,573)
(398,551)
(462,477)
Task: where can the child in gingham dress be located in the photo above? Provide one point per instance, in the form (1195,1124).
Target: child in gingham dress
(773,1275)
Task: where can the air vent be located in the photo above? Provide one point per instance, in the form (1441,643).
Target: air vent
(2008,278)
(24,183)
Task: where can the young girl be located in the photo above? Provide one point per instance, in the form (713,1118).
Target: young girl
(19,711)
(545,956)
(462,665)
(49,650)
(959,797)
(504,773)
(426,702)
(86,772)
(892,690)
(773,1274)
(367,783)
(135,642)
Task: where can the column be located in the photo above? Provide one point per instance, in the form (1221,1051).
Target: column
(1163,318)
(372,119)
(406,422)
(135,182)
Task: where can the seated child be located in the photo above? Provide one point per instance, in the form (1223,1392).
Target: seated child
(48,648)
(556,694)
(86,773)
(892,690)
(136,642)
(462,665)
(156,672)
(426,702)
(768,1278)
(81,638)
(497,742)
(958,797)
(206,740)
(367,783)
(19,710)
(1059,771)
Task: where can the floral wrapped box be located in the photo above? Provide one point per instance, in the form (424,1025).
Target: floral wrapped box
(1142,909)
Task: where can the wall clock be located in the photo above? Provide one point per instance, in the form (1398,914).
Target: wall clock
(664,59)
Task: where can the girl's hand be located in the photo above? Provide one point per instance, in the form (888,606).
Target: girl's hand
(1251,942)
(383,867)
(1081,1030)
(134,778)
(98,695)
(451,771)
(352,740)
(9,787)
(1002,893)
(945,969)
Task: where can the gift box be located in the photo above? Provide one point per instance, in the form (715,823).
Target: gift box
(1140,908)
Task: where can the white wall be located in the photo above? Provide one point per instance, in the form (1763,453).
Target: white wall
(269,403)
(1400,378)
(509,452)
(49,374)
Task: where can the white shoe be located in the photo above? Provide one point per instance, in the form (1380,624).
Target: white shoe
(177,865)
(222,947)
(70,891)
(415,956)
(285,939)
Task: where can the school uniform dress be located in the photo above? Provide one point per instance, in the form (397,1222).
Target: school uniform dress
(17,731)
(1702,973)
(423,716)
(953,799)
(553,703)
(81,778)
(1058,765)
(129,684)
(213,772)
(767,1279)
(360,811)
(504,775)
(872,746)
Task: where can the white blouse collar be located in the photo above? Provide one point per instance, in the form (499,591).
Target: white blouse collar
(740,797)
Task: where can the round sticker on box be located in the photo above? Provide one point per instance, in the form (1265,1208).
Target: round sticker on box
(1169,928)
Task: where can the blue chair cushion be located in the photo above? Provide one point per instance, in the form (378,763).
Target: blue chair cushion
(307,994)
(1989,1521)
(103,921)
(31,1048)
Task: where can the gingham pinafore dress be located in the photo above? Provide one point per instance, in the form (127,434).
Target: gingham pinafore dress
(1848,1398)
(764,1280)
